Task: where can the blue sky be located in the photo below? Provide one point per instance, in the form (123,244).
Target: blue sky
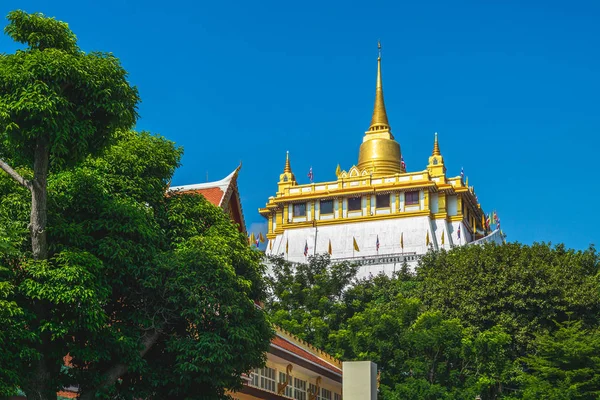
(512,88)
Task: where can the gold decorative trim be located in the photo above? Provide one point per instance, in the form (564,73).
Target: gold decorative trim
(308,347)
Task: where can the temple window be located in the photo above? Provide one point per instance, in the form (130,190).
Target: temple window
(337,396)
(299,389)
(411,198)
(299,210)
(326,206)
(382,200)
(354,204)
(263,378)
(325,394)
(267,379)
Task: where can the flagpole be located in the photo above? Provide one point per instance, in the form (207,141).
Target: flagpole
(316,232)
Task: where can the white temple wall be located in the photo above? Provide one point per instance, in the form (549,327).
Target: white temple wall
(365,232)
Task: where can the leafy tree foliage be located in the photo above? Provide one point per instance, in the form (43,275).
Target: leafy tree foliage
(152,296)
(306,298)
(565,364)
(523,289)
(461,327)
(57,105)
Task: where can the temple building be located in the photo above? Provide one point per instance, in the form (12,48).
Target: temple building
(376,213)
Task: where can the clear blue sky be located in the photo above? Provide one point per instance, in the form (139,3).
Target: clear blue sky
(512,87)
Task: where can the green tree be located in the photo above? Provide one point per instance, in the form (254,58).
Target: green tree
(306,299)
(57,105)
(522,289)
(151,296)
(564,365)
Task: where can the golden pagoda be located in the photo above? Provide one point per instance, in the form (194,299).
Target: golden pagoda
(375,213)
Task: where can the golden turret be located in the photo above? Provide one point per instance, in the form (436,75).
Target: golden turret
(287,178)
(380,153)
(436,165)
(287,168)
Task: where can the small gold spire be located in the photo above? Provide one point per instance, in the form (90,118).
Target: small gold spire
(288,168)
(436,147)
(379,121)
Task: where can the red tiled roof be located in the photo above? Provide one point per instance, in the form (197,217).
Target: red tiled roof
(294,349)
(213,194)
(67,394)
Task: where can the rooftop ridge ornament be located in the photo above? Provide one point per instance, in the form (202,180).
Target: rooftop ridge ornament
(379,120)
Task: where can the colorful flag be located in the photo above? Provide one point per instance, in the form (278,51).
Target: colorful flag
(252,238)
(256,240)
(377,243)
(310,174)
(427,238)
(497,222)
(403,163)
(483,222)
(338,170)
(306,248)
(261,237)
(467,182)
(442,238)
(459,231)
(462,173)
(487,222)
(355,244)
(287,242)
(402,240)
(329,250)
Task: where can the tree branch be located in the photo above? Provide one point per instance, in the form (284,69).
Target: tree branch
(118,370)
(15,175)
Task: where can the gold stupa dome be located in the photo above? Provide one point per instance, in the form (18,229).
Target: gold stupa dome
(379,152)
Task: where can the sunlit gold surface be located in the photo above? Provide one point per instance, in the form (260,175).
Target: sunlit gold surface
(436,167)
(379,120)
(380,155)
(379,152)
(287,168)
(436,146)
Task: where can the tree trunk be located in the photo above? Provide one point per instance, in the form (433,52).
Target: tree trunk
(39,200)
(39,385)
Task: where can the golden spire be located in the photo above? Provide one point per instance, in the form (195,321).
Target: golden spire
(288,168)
(287,177)
(436,147)
(380,153)
(379,121)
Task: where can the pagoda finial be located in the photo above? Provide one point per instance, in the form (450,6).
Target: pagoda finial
(379,121)
(288,168)
(436,147)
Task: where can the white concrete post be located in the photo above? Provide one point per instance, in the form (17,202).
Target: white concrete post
(359,380)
